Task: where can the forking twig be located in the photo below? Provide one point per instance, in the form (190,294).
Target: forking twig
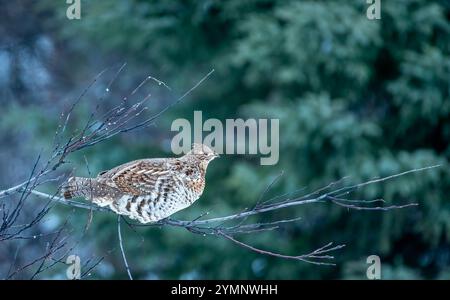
(98,128)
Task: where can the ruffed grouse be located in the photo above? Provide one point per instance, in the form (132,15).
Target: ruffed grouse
(147,190)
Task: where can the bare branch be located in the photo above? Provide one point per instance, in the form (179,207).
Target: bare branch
(217,226)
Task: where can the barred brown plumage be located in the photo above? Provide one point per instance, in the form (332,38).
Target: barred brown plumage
(147,190)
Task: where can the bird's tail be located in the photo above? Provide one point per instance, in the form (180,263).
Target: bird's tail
(79,187)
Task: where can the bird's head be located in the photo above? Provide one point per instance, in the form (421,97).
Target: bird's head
(203,152)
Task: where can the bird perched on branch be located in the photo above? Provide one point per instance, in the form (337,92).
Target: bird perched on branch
(147,190)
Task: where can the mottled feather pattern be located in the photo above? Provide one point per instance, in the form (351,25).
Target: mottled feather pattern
(147,190)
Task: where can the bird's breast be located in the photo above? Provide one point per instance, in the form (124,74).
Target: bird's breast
(197,185)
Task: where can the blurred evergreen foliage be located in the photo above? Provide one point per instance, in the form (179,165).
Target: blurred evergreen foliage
(355,97)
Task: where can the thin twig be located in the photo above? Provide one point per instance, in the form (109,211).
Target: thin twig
(122,250)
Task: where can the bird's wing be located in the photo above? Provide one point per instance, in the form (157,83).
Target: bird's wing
(139,177)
